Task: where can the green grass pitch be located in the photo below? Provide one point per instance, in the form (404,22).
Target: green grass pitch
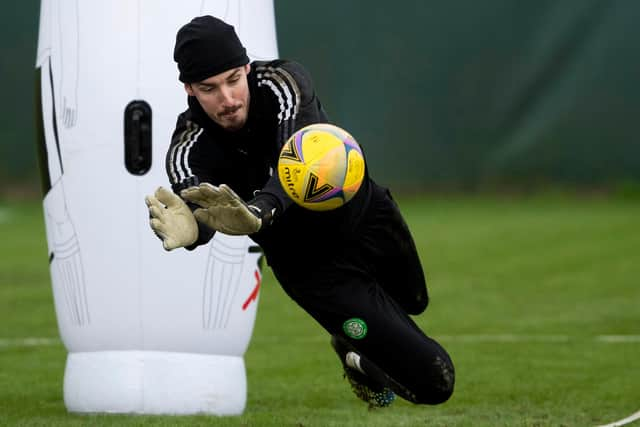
(537,299)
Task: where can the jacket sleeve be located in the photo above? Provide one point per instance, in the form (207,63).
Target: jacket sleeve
(184,170)
(298,106)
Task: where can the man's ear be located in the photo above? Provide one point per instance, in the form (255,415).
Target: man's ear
(188,89)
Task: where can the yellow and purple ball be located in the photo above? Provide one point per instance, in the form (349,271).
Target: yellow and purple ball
(321,167)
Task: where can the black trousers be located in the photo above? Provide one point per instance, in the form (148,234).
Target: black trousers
(365,293)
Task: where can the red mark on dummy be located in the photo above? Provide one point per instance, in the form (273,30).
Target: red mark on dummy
(254,294)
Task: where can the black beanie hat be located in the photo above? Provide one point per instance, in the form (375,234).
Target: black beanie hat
(207,46)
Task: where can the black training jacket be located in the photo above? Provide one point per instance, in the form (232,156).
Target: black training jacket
(282,100)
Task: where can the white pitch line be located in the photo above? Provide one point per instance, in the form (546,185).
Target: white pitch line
(618,338)
(482,338)
(631,418)
(515,338)
(28,342)
(496,338)
(464,338)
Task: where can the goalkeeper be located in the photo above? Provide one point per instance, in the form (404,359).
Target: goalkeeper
(356,272)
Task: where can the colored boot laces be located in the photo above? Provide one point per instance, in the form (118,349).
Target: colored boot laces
(375,398)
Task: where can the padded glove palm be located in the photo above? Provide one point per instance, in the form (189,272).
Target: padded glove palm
(171,219)
(222,209)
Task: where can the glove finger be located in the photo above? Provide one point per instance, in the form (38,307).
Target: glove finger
(152,201)
(209,192)
(169,198)
(169,244)
(194,195)
(158,227)
(229,220)
(204,195)
(208,186)
(156,212)
(203,216)
(167,241)
(230,196)
(189,191)
(162,193)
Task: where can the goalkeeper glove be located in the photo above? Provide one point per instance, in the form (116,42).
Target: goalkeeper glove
(171,219)
(223,210)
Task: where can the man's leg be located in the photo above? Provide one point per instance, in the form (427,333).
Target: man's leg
(352,307)
(398,355)
(389,250)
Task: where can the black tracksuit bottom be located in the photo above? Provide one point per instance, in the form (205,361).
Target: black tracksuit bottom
(374,284)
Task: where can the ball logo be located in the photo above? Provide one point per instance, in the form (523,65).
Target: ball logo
(289,152)
(315,191)
(355,328)
(290,178)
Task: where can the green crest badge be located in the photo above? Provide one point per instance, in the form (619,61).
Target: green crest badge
(355,328)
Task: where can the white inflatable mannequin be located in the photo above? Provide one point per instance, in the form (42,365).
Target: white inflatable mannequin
(146,331)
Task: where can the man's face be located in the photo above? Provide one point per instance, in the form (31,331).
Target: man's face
(224,97)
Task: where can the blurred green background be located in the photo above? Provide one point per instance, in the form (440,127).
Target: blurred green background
(456,95)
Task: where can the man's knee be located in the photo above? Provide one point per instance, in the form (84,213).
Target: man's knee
(415,304)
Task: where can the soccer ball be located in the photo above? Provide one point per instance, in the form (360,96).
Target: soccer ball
(321,167)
